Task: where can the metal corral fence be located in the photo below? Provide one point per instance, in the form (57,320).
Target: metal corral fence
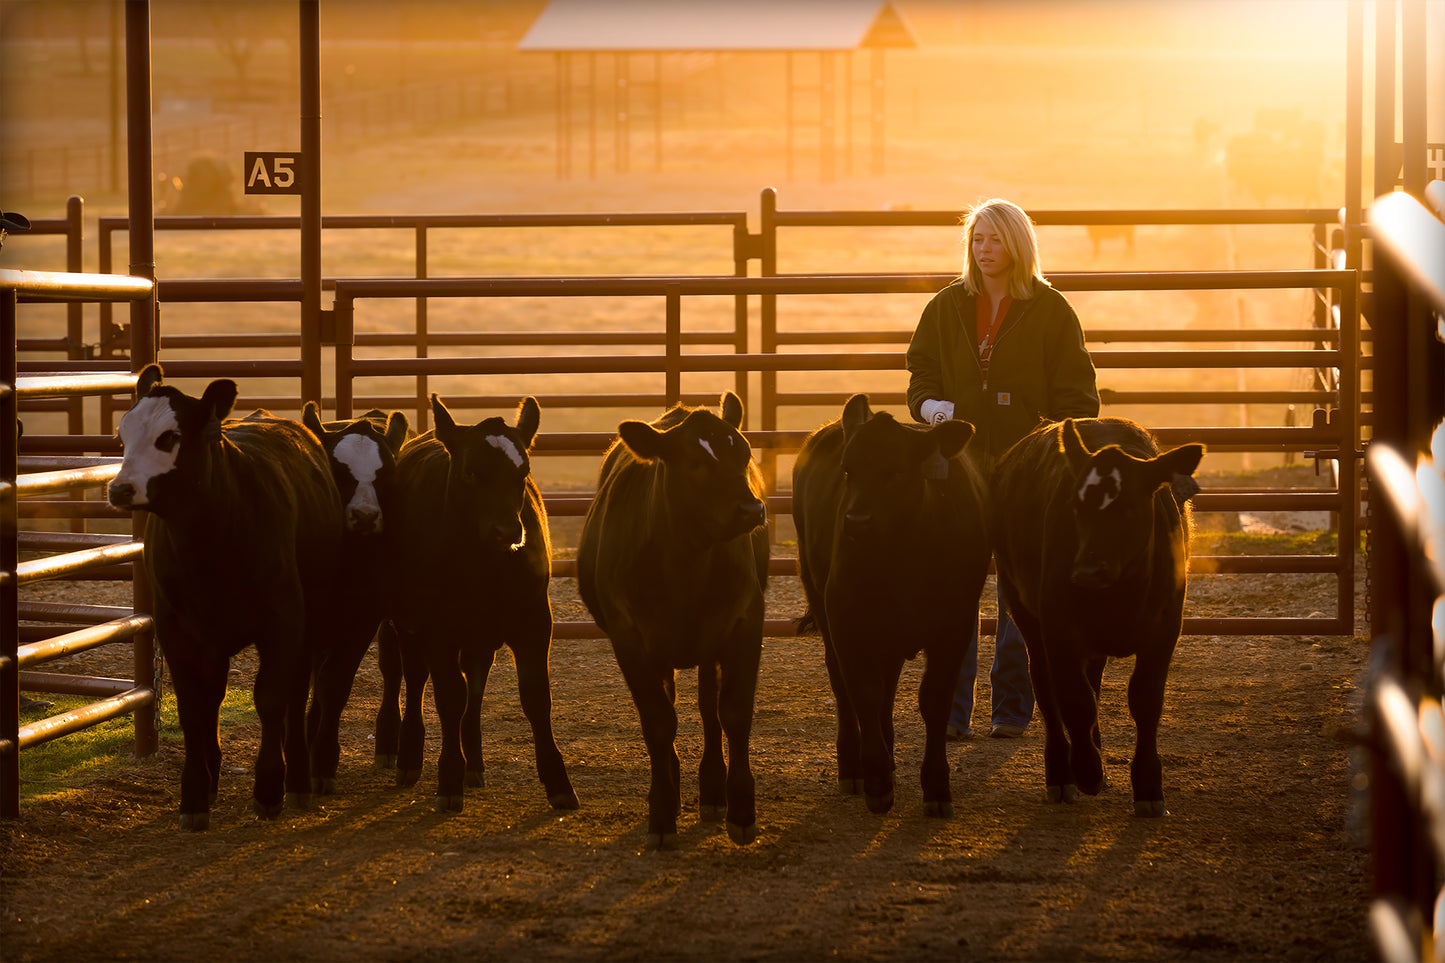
(51,634)
(759,344)
(1407,467)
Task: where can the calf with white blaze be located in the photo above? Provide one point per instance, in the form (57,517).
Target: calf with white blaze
(672,561)
(241,547)
(1093,562)
(362,453)
(893,552)
(473,558)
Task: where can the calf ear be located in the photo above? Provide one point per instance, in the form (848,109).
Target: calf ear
(311,418)
(442,419)
(529,416)
(732,409)
(855,414)
(1177,465)
(1073,446)
(220,397)
(644,441)
(396,428)
(950,437)
(150,376)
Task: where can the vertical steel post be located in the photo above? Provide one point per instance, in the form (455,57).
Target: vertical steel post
(144,321)
(9,559)
(310,46)
(673,348)
(768,333)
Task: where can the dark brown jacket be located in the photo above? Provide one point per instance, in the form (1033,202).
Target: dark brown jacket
(1039,368)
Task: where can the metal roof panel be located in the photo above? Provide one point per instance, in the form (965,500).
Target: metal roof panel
(675,25)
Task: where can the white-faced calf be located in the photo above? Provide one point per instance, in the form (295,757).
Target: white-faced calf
(1093,563)
(241,548)
(363,453)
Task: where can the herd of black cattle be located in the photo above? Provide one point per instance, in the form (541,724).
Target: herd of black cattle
(308,540)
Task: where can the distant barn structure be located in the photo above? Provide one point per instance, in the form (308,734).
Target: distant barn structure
(690,33)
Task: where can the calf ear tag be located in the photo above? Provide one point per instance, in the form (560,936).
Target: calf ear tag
(1004,398)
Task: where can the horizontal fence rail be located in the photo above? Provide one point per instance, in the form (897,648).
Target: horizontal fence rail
(65,555)
(757,346)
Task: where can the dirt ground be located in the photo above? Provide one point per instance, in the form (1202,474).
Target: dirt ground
(1260,858)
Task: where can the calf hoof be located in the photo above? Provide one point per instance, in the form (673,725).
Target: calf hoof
(880,804)
(563,800)
(743,835)
(298,800)
(407,777)
(448,804)
(195,822)
(1149,808)
(1062,794)
(940,808)
(657,842)
(384,760)
(711,813)
(324,786)
(267,810)
(850,787)
(476,779)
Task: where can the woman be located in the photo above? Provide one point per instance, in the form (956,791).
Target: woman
(1002,349)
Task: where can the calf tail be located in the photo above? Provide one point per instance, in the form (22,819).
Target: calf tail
(807,623)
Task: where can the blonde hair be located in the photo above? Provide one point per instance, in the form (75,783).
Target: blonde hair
(1017,232)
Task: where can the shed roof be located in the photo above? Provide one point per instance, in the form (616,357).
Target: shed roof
(693,25)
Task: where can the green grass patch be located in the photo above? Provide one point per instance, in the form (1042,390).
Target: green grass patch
(1244,543)
(106,749)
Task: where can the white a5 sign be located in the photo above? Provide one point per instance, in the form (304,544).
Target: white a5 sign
(273,172)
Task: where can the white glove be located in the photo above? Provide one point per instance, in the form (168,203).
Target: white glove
(936,412)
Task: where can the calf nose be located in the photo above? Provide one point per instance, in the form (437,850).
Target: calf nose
(856,524)
(509,534)
(1091,574)
(363,521)
(122,494)
(752,514)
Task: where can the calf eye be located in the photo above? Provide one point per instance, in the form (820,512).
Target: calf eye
(167,440)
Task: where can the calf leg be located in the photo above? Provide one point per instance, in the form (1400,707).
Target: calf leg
(413,725)
(477,666)
(199,692)
(1080,712)
(388,714)
(935,704)
(872,686)
(739,685)
(653,693)
(283,732)
(1146,705)
(449,690)
(534,687)
(850,753)
(1094,669)
(1059,785)
(335,676)
(712,772)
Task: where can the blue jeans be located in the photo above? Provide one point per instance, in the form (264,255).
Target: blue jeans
(1012,689)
